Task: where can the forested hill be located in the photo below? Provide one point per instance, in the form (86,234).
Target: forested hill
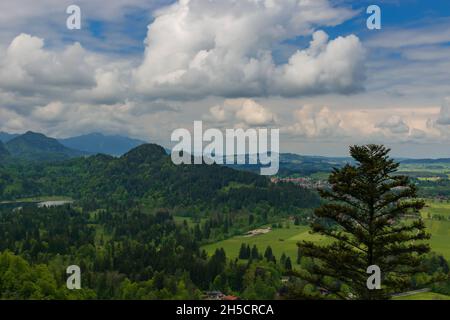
(38,147)
(147,173)
(5,137)
(3,152)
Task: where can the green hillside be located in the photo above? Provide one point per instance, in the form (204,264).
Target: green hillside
(147,174)
(3,151)
(38,147)
(281,240)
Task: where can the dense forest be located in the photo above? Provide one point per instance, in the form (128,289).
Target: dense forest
(146,174)
(135,255)
(122,255)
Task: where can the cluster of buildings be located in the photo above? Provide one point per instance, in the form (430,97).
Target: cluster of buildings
(304,182)
(217,295)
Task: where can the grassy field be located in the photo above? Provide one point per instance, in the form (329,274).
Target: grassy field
(440,236)
(440,230)
(436,207)
(426,168)
(424,296)
(281,240)
(285,240)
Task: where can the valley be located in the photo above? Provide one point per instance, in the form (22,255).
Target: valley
(284,238)
(138,224)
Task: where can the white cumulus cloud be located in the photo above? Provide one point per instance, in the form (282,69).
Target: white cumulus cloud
(244,111)
(225,48)
(394,124)
(27,65)
(314,122)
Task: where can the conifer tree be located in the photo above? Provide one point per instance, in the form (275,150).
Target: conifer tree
(243,254)
(299,256)
(372,216)
(268,254)
(283,259)
(255,253)
(288,264)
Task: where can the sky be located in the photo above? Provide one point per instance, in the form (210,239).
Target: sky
(311,68)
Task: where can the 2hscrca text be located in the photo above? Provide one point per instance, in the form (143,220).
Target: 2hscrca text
(226,309)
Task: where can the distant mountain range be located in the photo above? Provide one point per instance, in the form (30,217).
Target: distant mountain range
(98,143)
(424,161)
(38,147)
(5,137)
(294,164)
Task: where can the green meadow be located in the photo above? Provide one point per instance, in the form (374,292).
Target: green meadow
(440,236)
(284,240)
(438,228)
(436,207)
(424,296)
(281,240)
